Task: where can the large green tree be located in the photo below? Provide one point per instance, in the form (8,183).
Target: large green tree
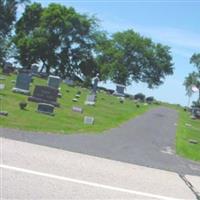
(59,38)
(128,57)
(8,9)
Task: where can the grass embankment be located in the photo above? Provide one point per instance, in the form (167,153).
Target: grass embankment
(108,111)
(188,129)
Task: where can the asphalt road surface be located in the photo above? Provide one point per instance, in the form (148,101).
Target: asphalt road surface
(148,140)
(30,171)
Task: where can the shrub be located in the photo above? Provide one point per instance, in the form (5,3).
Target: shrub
(140,97)
(149,99)
(137,105)
(22,105)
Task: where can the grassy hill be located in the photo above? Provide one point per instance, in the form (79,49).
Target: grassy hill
(108,111)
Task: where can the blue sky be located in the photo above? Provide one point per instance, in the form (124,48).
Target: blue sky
(173,23)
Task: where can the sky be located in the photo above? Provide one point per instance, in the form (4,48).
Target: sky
(173,23)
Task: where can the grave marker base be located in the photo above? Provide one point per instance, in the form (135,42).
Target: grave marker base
(17,90)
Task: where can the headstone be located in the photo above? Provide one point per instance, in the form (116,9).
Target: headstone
(119,90)
(74,99)
(88,120)
(2,78)
(77,109)
(34,69)
(69,81)
(193,141)
(44,94)
(2,112)
(2,86)
(95,84)
(54,81)
(77,96)
(45,108)
(90,100)
(22,82)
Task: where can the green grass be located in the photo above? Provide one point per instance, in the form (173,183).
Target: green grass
(187,129)
(185,133)
(108,111)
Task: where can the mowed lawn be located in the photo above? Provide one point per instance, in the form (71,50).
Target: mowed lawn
(188,129)
(108,111)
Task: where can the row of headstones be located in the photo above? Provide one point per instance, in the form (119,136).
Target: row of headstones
(45,96)
(25,76)
(24,79)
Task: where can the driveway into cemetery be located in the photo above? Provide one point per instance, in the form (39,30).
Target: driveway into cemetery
(148,140)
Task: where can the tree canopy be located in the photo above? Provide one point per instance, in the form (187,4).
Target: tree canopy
(58,37)
(8,9)
(128,57)
(68,43)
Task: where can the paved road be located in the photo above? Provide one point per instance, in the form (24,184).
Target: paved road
(29,171)
(148,140)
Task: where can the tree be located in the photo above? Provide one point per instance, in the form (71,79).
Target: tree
(195,59)
(8,10)
(130,57)
(190,80)
(193,79)
(59,38)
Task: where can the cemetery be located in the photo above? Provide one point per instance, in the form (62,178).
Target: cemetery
(36,106)
(93,111)
(56,88)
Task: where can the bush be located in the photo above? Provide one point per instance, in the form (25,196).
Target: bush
(137,105)
(196,104)
(139,96)
(22,105)
(149,99)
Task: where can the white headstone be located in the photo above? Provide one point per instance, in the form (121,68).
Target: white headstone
(88,120)
(77,109)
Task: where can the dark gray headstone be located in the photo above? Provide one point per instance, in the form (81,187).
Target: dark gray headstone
(44,94)
(88,120)
(34,69)
(54,81)
(22,83)
(45,108)
(4,113)
(119,90)
(77,109)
